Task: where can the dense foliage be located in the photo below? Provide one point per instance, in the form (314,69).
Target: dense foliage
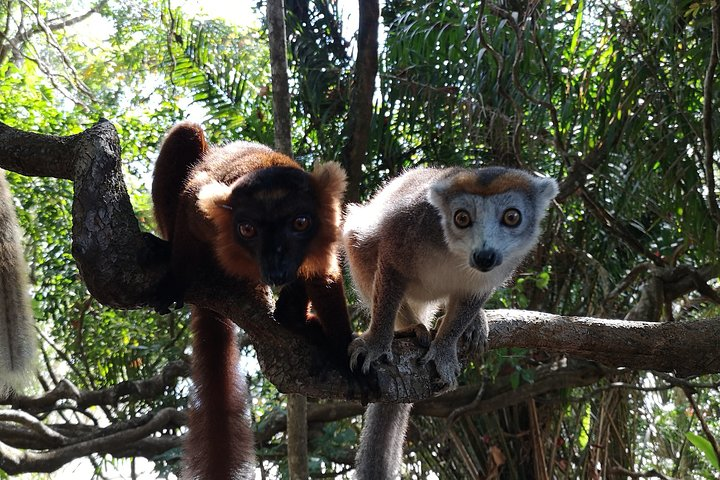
(607,97)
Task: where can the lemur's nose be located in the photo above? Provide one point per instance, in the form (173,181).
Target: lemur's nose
(486,259)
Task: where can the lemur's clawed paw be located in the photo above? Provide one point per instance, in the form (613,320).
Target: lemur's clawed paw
(476,337)
(370,349)
(421,334)
(446,363)
(167,296)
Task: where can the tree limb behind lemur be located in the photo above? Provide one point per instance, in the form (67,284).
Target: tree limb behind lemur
(122,266)
(104,226)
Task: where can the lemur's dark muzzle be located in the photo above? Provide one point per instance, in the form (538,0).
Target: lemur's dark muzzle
(486,259)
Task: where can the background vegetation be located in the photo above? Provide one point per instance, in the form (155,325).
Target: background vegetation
(617,99)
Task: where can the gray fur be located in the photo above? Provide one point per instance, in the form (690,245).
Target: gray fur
(407,258)
(381,440)
(18,349)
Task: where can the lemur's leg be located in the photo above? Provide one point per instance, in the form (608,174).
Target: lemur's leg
(408,324)
(375,343)
(461,314)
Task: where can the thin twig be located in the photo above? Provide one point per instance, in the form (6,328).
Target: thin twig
(628,280)
(458,412)
(708,434)
(652,473)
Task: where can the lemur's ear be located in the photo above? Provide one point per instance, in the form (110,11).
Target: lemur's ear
(546,188)
(328,182)
(438,191)
(212,201)
(330,179)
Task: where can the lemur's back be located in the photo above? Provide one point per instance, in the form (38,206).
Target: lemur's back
(391,225)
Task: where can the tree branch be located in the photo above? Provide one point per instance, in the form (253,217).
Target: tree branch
(122,266)
(275,15)
(105,230)
(136,390)
(13,460)
(32,423)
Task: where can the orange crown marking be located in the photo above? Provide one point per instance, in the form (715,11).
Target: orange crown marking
(472,183)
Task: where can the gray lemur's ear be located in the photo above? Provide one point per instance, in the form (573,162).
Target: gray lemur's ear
(437,193)
(546,189)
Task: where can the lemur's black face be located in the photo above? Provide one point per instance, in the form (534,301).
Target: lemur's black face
(275,220)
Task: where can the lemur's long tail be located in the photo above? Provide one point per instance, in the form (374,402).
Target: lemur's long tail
(381,441)
(220,442)
(18,348)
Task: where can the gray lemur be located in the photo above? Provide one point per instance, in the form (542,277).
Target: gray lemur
(17,333)
(434,237)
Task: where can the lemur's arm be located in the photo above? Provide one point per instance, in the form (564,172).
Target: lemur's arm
(329,324)
(463,317)
(375,343)
(327,296)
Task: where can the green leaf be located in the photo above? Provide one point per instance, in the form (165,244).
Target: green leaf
(577,28)
(542,280)
(704,445)
(584,436)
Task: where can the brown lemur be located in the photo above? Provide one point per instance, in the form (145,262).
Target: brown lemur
(18,347)
(431,238)
(254,215)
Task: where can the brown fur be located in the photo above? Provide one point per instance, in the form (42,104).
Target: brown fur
(220,441)
(195,190)
(233,258)
(175,162)
(469,182)
(329,181)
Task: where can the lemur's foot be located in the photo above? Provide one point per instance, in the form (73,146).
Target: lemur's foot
(167,295)
(446,362)
(371,349)
(476,337)
(423,336)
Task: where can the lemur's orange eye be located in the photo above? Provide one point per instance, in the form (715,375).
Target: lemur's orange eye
(511,217)
(246,230)
(301,223)
(462,219)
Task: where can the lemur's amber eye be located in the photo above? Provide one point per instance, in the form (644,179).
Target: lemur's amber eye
(246,230)
(301,223)
(462,219)
(511,217)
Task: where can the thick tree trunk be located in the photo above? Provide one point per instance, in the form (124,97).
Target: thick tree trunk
(278,67)
(359,122)
(296,403)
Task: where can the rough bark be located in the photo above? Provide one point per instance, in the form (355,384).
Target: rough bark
(117,261)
